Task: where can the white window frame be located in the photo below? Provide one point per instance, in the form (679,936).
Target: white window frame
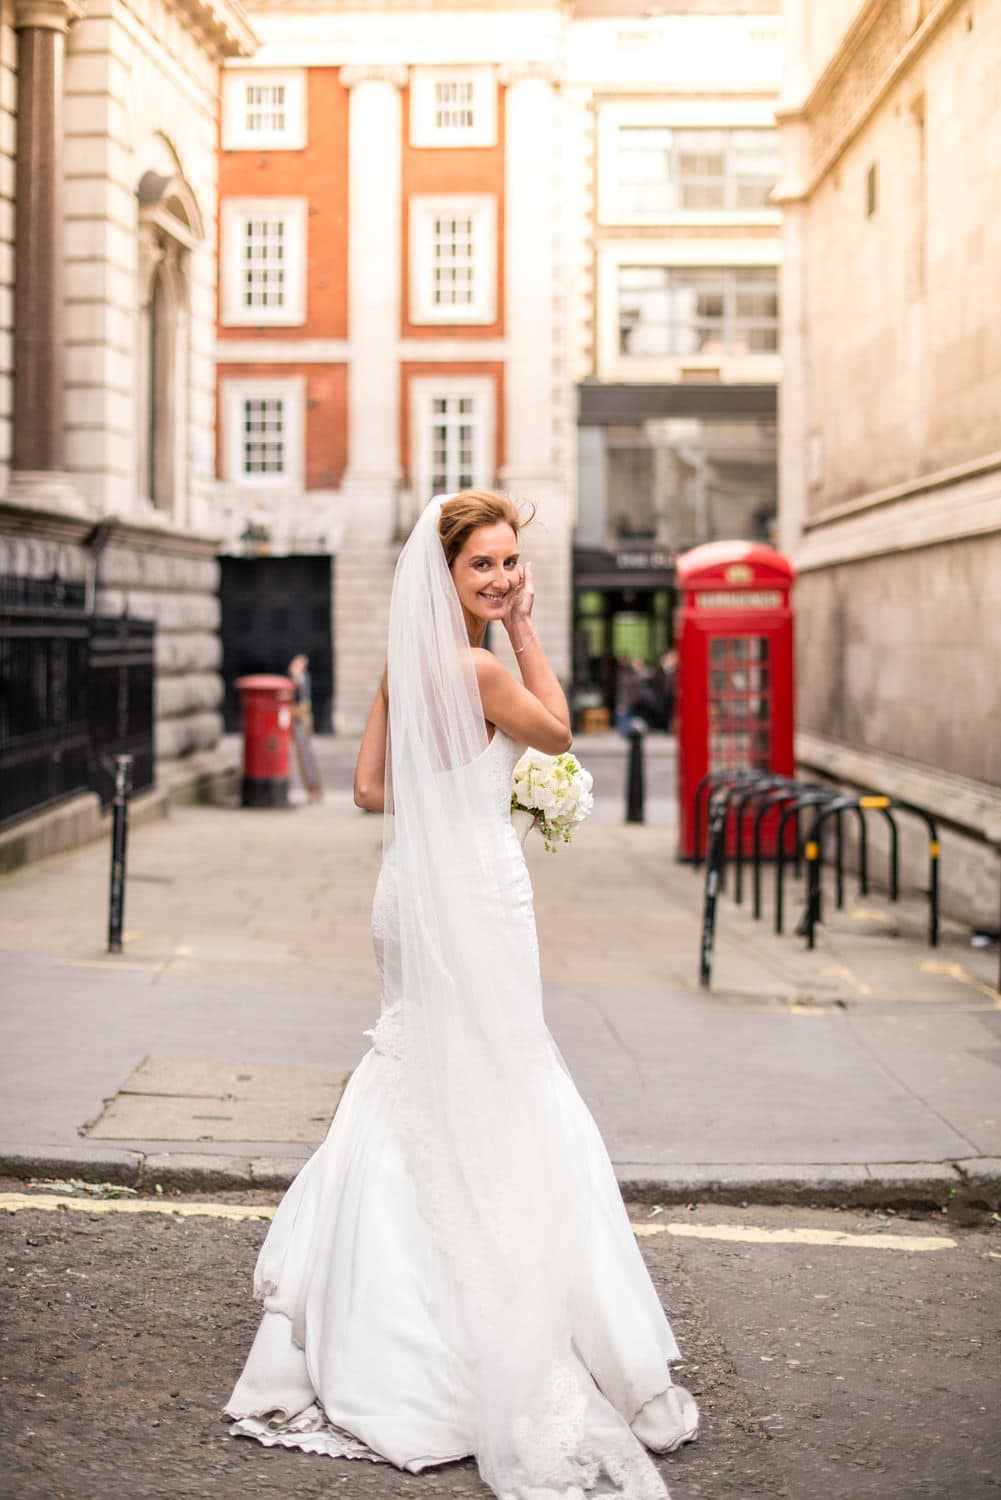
(235,212)
(481,208)
(611,365)
(424,389)
(424,128)
(237,136)
(676,115)
(291,389)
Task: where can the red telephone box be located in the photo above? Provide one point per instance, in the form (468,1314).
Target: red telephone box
(735,669)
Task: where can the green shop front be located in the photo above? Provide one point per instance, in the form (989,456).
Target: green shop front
(623,605)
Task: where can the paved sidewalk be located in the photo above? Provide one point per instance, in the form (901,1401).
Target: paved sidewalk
(865,1071)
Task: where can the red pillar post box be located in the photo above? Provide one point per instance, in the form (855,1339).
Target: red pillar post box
(735,670)
(266,716)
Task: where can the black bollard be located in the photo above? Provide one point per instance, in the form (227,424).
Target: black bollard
(635,785)
(715,845)
(119,840)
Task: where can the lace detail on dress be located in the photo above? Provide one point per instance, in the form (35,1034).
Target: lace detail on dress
(502,755)
(564,1457)
(387,1033)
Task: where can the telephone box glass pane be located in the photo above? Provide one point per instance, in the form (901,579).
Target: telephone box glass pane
(739,697)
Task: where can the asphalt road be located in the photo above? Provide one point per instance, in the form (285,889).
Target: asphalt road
(836,1369)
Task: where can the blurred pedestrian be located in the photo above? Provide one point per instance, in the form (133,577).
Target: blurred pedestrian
(627,682)
(648,704)
(302,727)
(665,678)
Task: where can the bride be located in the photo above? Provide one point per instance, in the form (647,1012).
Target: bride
(453,1271)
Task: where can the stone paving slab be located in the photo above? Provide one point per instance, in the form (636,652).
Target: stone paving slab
(131,1117)
(189,1099)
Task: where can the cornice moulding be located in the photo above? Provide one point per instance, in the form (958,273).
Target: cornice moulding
(222,23)
(48,520)
(950,505)
(939,479)
(46,15)
(509,73)
(355,73)
(838,68)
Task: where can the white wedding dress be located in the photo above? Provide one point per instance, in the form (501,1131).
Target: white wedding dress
(351,1359)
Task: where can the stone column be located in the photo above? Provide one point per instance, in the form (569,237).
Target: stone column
(38,458)
(365,561)
(536,377)
(374,249)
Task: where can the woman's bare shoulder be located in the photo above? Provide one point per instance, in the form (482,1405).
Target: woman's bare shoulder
(488,668)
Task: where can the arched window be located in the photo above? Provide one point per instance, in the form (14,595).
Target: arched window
(169,228)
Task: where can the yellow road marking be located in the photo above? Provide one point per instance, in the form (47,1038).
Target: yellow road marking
(47,1201)
(737,1233)
(872,914)
(747,1234)
(957,972)
(838,971)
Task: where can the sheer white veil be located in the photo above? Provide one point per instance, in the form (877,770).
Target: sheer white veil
(479,1091)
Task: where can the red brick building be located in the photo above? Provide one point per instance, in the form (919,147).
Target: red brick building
(389,323)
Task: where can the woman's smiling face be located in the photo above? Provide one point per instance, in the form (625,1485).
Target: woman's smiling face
(486,571)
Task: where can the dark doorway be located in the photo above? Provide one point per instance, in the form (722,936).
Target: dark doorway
(272,608)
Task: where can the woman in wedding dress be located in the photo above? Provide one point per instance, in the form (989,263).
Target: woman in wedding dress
(453,1271)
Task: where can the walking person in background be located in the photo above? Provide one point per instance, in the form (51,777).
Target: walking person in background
(302,728)
(627,682)
(665,677)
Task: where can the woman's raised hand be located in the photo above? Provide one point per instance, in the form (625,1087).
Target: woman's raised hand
(521,598)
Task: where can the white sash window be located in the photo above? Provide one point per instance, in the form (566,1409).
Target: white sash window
(263,432)
(453,259)
(264,111)
(453,107)
(264,261)
(452,434)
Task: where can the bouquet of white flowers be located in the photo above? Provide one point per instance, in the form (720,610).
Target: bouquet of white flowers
(556,790)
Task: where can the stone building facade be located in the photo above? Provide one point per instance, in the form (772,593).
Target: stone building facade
(391,320)
(109,117)
(891,408)
(672,138)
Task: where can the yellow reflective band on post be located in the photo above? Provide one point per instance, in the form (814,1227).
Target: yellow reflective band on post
(933,849)
(874,802)
(811,850)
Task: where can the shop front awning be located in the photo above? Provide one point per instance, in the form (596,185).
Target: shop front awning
(628,567)
(605,404)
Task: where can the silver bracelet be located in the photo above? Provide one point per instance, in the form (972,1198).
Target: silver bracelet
(519,649)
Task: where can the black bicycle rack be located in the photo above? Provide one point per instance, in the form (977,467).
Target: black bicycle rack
(726,800)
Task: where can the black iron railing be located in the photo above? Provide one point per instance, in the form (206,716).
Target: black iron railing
(74,690)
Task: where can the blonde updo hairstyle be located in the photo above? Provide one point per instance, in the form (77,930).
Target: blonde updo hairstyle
(467,511)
